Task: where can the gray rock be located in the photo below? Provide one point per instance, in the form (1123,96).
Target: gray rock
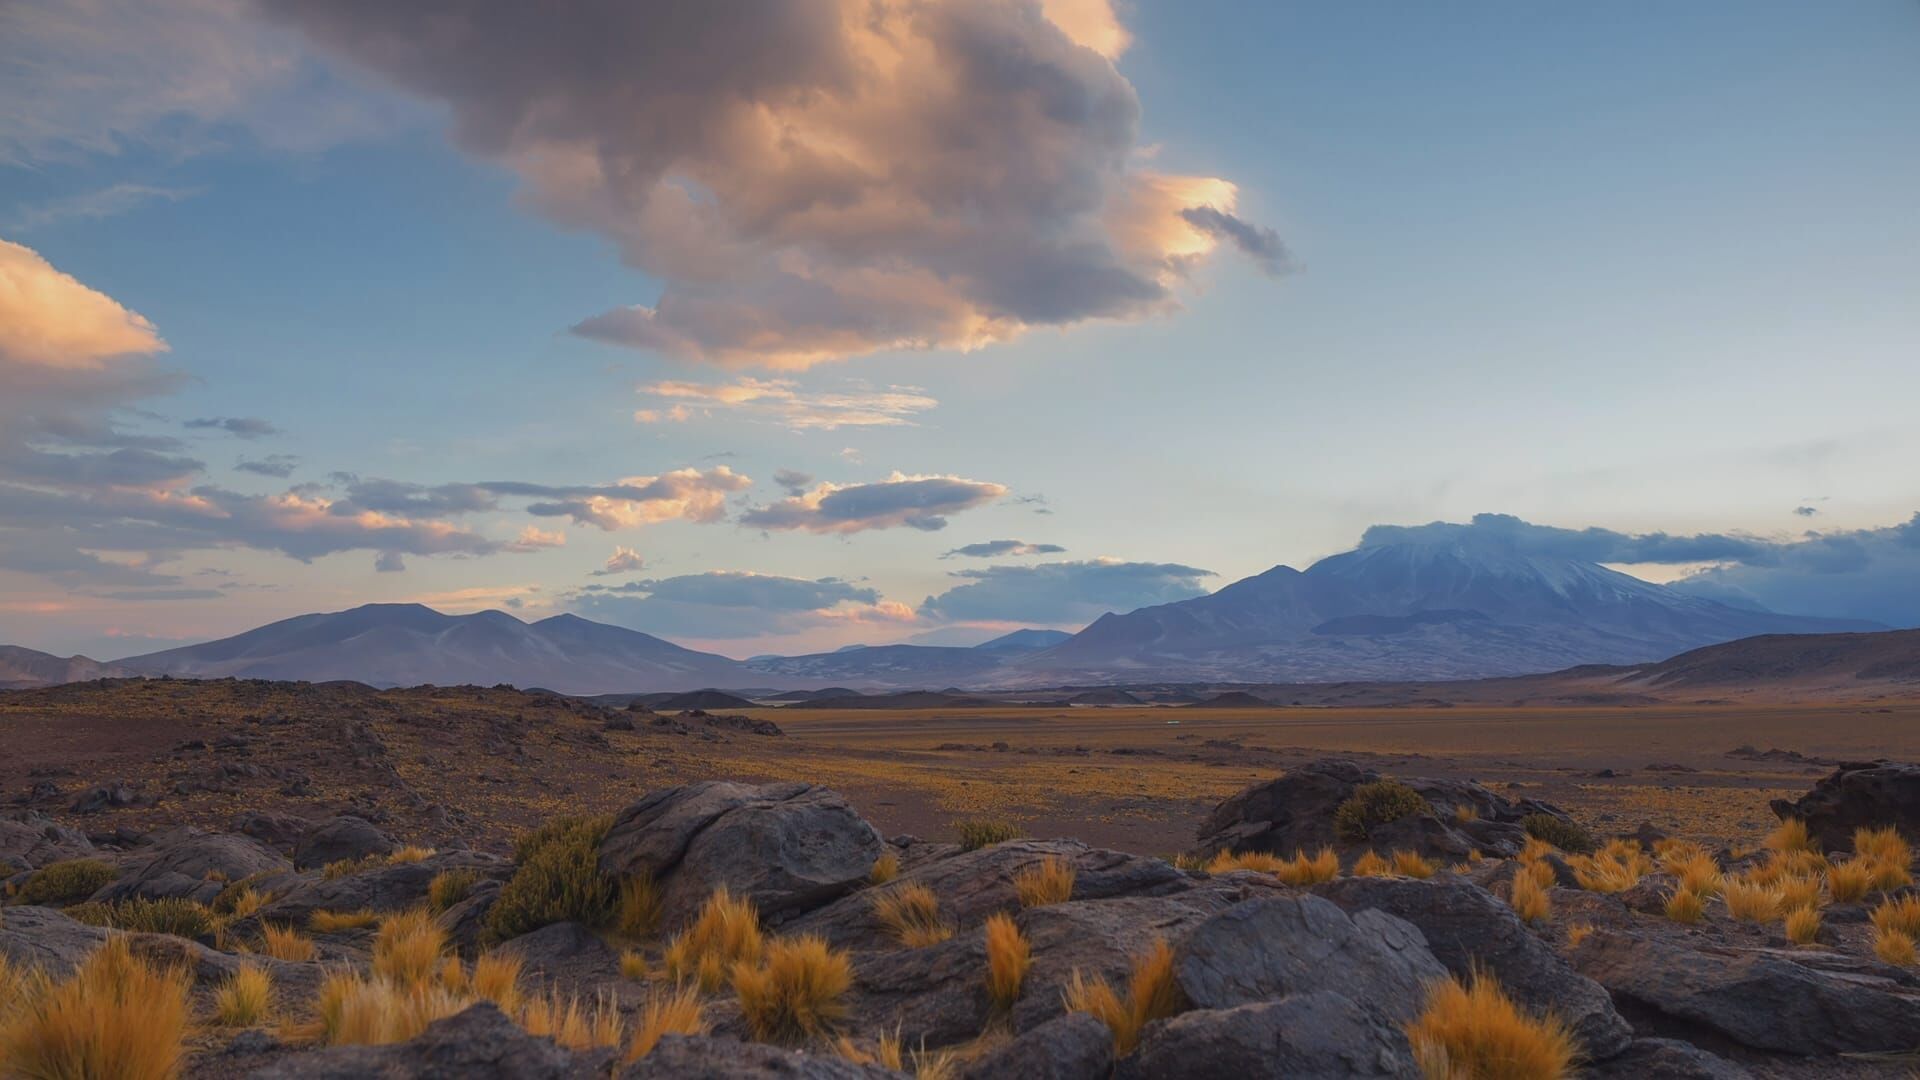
(32,840)
(1282,946)
(1762,998)
(935,995)
(1856,795)
(191,864)
(343,837)
(466,921)
(564,952)
(34,937)
(1667,1059)
(1072,1047)
(1321,1035)
(1466,927)
(282,832)
(702,1057)
(477,1043)
(40,937)
(386,887)
(789,847)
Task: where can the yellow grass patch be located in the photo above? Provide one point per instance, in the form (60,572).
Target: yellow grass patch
(1751,901)
(1151,994)
(245,999)
(1803,925)
(1893,946)
(496,978)
(1789,835)
(675,1012)
(885,869)
(412,853)
(1411,864)
(1685,906)
(1475,1031)
(573,1025)
(408,948)
(1051,882)
(450,887)
(1529,900)
(637,914)
(726,932)
(1324,865)
(633,965)
(115,1017)
(911,913)
(332,922)
(795,992)
(1577,933)
(1372,865)
(1009,955)
(285,943)
(355,1011)
(1264,862)
(1902,915)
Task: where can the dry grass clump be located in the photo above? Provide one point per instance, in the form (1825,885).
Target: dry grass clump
(976,833)
(1370,864)
(1051,882)
(558,880)
(1541,872)
(1411,864)
(633,965)
(1886,855)
(1893,947)
(1009,955)
(1752,902)
(355,1011)
(637,913)
(911,913)
(245,998)
(1374,804)
(795,992)
(885,868)
(726,932)
(1262,862)
(573,1025)
(1803,925)
(1698,874)
(450,887)
(168,915)
(1790,835)
(1323,865)
(1902,915)
(1529,899)
(1151,995)
(115,1017)
(412,853)
(408,949)
(333,922)
(349,867)
(1558,832)
(64,882)
(496,978)
(1615,868)
(1577,933)
(285,943)
(1475,1032)
(676,1012)
(1465,812)
(1685,906)
(1800,892)
(1848,882)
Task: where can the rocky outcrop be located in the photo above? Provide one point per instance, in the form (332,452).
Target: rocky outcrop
(1323,1035)
(1857,796)
(1073,1047)
(1761,998)
(477,1044)
(1296,813)
(696,1057)
(192,865)
(30,840)
(789,847)
(340,838)
(384,887)
(1667,1059)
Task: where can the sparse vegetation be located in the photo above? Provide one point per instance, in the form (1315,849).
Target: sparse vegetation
(1411,864)
(675,1012)
(1849,881)
(1261,862)
(1475,1031)
(1372,805)
(1151,995)
(1370,864)
(169,915)
(1529,900)
(976,833)
(412,853)
(638,912)
(1324,865)
(558,880)
(65,882)
(1009,955)
(725,933)
(342,868)
(1893,946)
(496,978)
(241,898)
(245,999)
(1615,868)
(1051,882)
(357,1011)
(1789,835)
(408,949)
(1803,925)
(1566,835)
(334,922)
(911,913)
(795,992)
(115,1017)
(885,869)
(285,943)
(1577,933)
(573,1025)
(1685,906)
(450,887)
(1902,915)
(633,965)
(1751,902)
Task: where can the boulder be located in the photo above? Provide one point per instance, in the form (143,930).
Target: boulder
(1467,928)
(1857,795)
(282,832)
(466,921)
(1322,1035)
(35,937)
(1280,946)
(385,887)
(476,1044)
(30,840)
(1763,998)
(788,847)
(934,996)
(191,864)
(1667,1059)
(705,1057)
(1073,1047)
(344,837)
(116,796)
(565,953)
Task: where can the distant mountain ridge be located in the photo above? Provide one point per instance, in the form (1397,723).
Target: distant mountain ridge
(23,668)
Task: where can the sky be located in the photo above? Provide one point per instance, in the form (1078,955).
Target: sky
(789,324)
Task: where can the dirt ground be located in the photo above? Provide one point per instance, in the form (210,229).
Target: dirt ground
(477,765)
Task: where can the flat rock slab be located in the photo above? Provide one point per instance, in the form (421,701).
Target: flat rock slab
(477,1044)
(700,1057)
(1322,1035)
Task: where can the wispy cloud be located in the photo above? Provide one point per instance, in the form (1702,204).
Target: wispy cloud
(96,205)
(996,548)
(782,401)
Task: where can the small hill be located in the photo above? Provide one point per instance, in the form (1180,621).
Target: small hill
(1024,641)
(1809,661)
(1232,699)
(21,669)
(1106,696)
(911,699)
(700,699)
(809,695)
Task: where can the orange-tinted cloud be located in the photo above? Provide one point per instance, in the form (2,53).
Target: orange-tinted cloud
(50,319)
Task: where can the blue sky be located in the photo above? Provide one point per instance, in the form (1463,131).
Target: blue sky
(1645,267)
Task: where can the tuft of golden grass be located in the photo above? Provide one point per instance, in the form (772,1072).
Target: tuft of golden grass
(496,978)
(1849,881)
(1323,865)
(1803,925)
(1893,946)
(285,943)
(454,977)
(1051,882)
(1372,865)
(1800,892)
(1151,995)
(911,913)
(637,913)
(1009,955)
(976,833)
(1902,915)
(1698,874)
(1615,868)
(1790,835)
(1542,873)
(633,965)
(1262,862)
(1751,901)
(245,902)
(1475,1031)
(115,1017)
(1465,812)
(333,922)
(245,999)
(571,1024)
(726,932)
(333,871)
(1685,906)
(408,948)
(412,853)
(450,887)
(1536,848)
(795,992)
(1529,899)
(354,1011)
(1411,864)
(1577,933)
(675,1012)
(885,868)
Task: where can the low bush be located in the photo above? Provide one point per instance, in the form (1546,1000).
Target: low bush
(65,882)
(1477,1031)
(976,833)
(1566,835)
(141,915)
(795,992)
(1372,805)
(558,880)
(341,868)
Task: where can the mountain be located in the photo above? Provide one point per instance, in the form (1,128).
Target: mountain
(1453,608)
(23,668)
(409,644)
(1025,641)
(1791,661)
(886,665)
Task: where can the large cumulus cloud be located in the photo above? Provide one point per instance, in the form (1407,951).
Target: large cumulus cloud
(816,179)
(1063,593)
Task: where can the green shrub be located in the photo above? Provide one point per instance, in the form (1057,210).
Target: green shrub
(1375,804)
(171,915)
(65,882)
(449,887)
(976,833)
(1561,833)
(558,880)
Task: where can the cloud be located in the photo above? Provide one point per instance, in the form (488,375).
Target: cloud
(1588,545)
(817,179)
(781,401)
(683,494)
(734,604)
(278,466)
(48,320)
(1257,242)
(918,502)
(106,202)
(246,427)
(389,562)
(533,539)
(1805,511)
(1062,593)
(995,548)
(624,560)
(792,481)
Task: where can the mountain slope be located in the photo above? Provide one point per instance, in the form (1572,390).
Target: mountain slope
(22,668)
(1792,661)
(1453,609)
(409,644)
